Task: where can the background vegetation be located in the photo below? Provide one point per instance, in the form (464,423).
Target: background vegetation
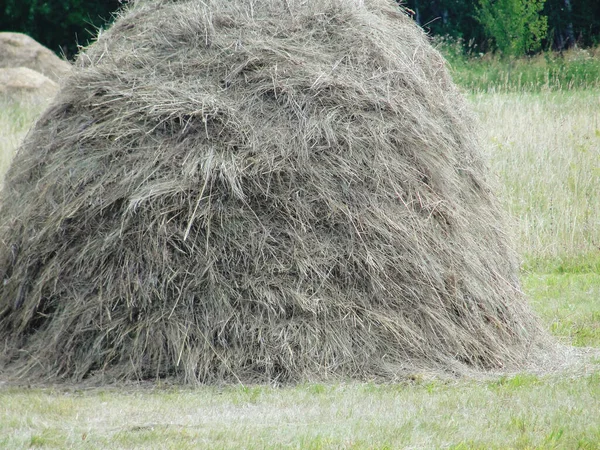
(510,27)
(60,25)
(569,22)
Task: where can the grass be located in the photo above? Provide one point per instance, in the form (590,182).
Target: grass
(522,411)
(576,69)
(15,120)
(544,149)
(568,303)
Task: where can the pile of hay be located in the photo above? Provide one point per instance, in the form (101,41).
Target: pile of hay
(240,190)
(20,84)
(20,50)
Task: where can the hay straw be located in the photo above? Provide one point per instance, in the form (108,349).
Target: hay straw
(257,191)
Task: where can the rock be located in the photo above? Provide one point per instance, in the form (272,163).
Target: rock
(19,50)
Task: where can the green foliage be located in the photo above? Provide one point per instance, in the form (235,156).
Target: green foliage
(458,19)
(61,25)
(566,303)
(515,26)
(548,71)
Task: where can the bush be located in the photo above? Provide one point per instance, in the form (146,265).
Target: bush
(515,26)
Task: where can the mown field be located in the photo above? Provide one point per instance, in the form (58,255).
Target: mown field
(542,138)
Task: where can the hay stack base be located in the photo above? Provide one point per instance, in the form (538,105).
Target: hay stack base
(256,191)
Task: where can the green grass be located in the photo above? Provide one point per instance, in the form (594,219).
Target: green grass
(577,69)
(522,411)
(584,263)
(568,303)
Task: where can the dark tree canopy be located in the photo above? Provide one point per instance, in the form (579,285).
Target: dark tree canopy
(569,21)
(62,25)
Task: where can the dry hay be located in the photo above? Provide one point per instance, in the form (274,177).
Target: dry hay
(20,50)
(20,84)
(257,191)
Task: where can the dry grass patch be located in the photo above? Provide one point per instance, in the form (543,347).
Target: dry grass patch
(545,150)
(15,121)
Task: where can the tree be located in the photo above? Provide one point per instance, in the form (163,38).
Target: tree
(58,24)
(453,18)
(516,27)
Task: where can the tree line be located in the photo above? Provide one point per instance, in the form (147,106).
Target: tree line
(510,27)
(61,25)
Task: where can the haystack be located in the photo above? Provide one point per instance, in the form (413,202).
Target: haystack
(20,50)
(20,84)
(256,191)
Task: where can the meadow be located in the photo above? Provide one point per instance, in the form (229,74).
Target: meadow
(540,127)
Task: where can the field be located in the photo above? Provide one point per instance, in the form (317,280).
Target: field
(543,146)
